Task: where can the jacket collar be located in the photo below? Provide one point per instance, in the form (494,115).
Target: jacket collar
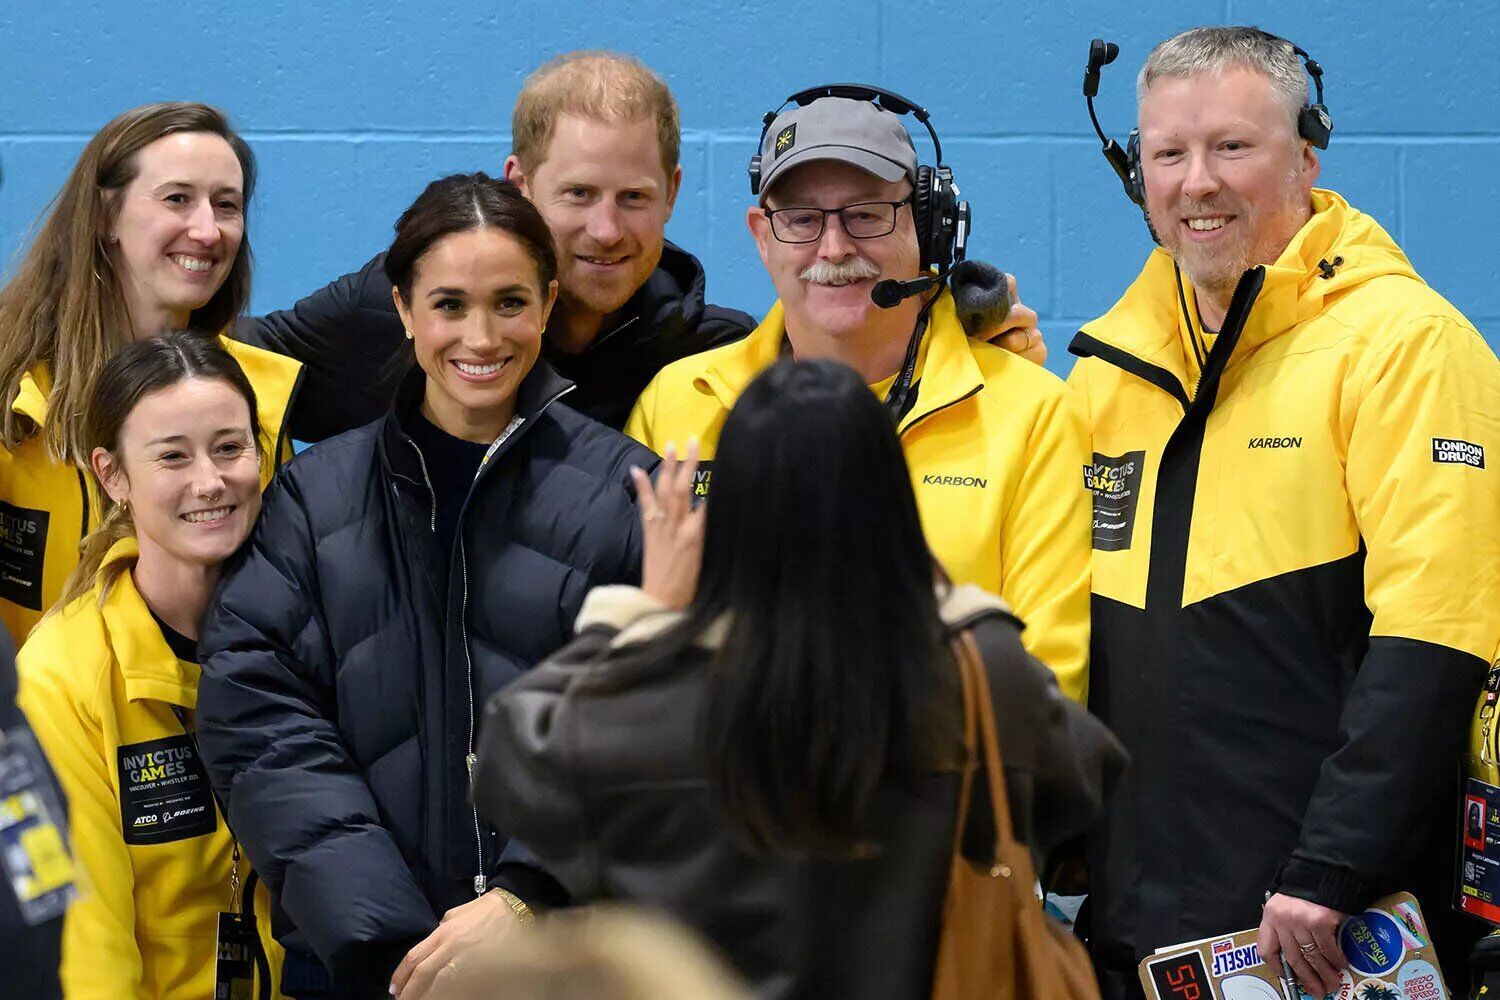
(1339,248)
(31,396)
(150,669)
(635,617)
(947,370)
(538,390)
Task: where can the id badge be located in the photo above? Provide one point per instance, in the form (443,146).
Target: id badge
(1479,852)
(33,848)
(234,970)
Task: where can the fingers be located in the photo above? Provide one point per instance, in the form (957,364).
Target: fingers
(1269,946)
(413,959)
(1323,975)
(1326,937)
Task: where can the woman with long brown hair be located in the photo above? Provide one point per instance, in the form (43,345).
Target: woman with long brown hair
(147,235)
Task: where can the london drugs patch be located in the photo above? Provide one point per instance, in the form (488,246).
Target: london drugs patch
(164,792)
(23,547)
(1451,451)
(1116,485)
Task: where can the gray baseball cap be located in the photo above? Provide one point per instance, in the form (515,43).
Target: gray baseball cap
(859,133)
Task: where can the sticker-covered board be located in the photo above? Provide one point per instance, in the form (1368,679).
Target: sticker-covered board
(1389,952)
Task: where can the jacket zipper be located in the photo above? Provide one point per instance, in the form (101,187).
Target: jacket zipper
(939,409)
(286,418)
(470,757)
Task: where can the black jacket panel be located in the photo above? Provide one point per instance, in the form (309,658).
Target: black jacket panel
(594,760)
(345,657)
(349,336)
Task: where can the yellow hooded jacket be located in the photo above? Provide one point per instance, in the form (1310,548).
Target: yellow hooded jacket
(1296,580)
(994,444)
(98,683)
(48,506)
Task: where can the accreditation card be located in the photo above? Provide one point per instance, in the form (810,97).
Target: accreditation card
(33,849)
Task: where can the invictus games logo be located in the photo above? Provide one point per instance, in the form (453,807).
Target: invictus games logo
(1451,451)
(1116,485)
(786,138)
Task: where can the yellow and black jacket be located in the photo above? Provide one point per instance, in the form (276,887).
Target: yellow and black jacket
(47,506)
(102,689)
(1296,581)
(994,444)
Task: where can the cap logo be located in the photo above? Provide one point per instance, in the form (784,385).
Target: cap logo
(786,138)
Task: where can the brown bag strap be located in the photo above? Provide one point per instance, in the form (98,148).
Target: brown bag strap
(980,709)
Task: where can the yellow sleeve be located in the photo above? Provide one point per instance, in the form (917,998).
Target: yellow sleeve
(1428,418)
(638,425)
(1045,546)
(100,958)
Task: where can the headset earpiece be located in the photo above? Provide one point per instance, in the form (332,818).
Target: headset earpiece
(755,174)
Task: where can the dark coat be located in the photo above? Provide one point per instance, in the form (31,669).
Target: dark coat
(347,333)
(607,782)
(345,655)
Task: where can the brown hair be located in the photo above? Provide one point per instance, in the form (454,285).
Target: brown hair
(457,204)
(604,86)
(137,370)
(65,306)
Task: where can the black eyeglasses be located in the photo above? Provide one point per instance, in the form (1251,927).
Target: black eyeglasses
(867,220)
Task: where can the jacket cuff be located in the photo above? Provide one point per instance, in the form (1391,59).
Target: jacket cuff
(1332,886)
(531,886)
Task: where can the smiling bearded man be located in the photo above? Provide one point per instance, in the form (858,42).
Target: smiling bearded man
(994,443)
(1296,543)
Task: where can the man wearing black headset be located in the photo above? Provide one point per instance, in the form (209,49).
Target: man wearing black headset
(846,218)
(1296,566)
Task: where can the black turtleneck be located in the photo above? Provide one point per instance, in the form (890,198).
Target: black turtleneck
(451,465)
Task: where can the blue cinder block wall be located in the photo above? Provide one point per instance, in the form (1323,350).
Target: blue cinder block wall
(352,107)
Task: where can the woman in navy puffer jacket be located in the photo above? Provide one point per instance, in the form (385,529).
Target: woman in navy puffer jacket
(399,575)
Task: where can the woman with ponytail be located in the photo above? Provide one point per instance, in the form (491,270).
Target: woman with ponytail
(109,679)
(147,235)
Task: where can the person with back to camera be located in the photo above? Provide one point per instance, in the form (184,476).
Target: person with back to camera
(771,753)
(400,574)
(147,235)
(109,679)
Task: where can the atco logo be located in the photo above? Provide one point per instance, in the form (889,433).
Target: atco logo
(146,819)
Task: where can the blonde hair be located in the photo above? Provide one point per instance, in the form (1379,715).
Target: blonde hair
(65,307)
(603,952)
(604,86)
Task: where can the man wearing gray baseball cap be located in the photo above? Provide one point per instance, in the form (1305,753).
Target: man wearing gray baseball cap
(846,215)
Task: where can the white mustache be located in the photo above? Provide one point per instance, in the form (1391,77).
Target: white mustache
(826,272)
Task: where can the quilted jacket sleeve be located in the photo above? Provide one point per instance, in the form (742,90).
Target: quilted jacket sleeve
(349,339)
(296,799)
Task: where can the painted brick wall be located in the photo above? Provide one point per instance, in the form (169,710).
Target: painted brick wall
(352,107)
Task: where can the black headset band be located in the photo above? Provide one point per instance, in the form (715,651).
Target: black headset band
(887,99)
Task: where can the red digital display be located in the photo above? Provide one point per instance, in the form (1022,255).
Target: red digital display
(1181,977)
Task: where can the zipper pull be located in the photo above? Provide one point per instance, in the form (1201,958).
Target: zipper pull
(471,760)
(479,881)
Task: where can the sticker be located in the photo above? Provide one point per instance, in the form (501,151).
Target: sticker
(33,848)
(1248,988)
(1410,919)
(164,792)
(1420,981)
(1372,943)
(1116,485)
(23,546)
(1229,957)
(1345,991)
(786,139)
(1181,977)
(1451,451)
(1376,989)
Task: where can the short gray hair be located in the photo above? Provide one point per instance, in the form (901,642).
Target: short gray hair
(1213,49)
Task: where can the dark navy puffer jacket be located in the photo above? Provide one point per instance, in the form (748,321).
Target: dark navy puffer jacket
(342,672)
